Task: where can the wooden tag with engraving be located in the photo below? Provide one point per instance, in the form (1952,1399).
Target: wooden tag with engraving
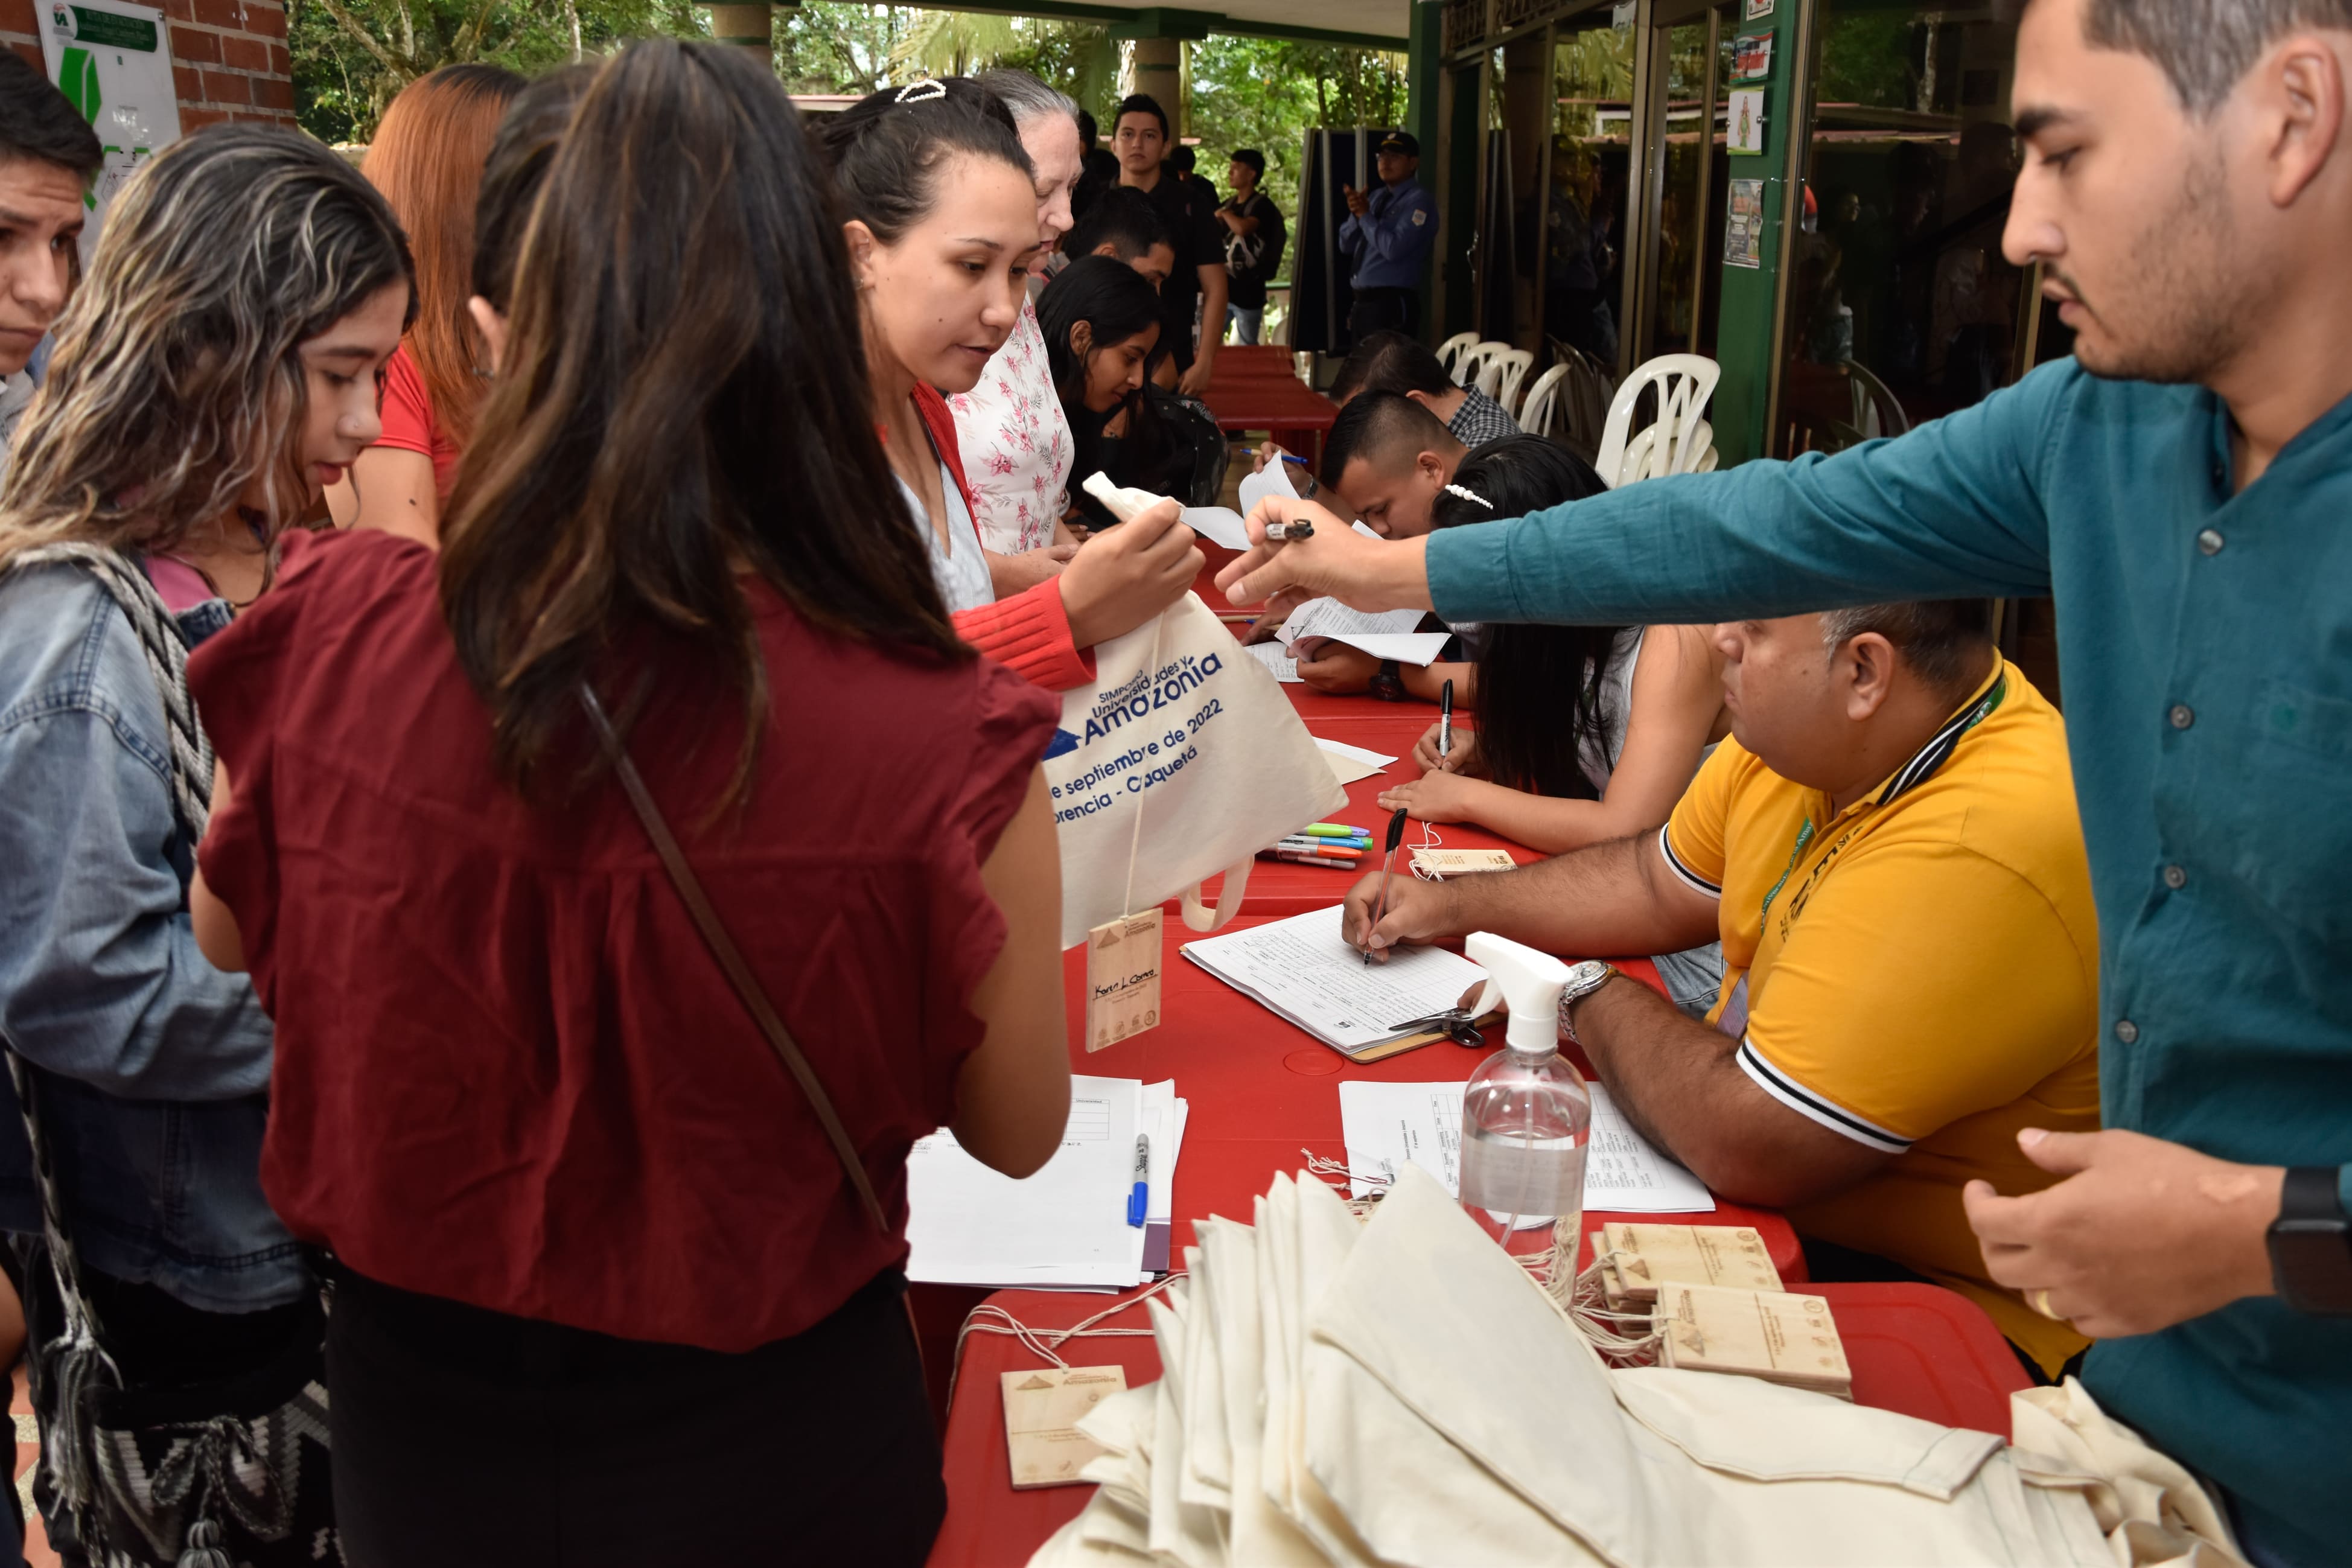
(1778,1336)
(1440,864)
(1122,978)
(1041,1411)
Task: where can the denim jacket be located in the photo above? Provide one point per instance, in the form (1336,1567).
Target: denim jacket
(152,1065)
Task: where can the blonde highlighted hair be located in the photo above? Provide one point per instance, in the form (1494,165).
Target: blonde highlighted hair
(175,390)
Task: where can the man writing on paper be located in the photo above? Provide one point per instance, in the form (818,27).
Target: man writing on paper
(1891,856)
(2181,486)
(1388,458)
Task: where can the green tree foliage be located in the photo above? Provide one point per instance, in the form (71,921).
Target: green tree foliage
(350,56)
(1267,93)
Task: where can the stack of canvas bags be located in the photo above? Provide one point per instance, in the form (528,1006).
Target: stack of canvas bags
(1401,1391)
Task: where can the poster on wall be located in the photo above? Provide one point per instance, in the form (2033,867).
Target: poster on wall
(1755,10)
(1743,224)
(109,58)
(1744,122)
(1751,57)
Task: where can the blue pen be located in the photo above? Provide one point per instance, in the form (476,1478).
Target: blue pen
(1139,1199)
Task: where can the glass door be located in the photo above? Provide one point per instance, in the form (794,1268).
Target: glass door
(1590,168)
(1680,209)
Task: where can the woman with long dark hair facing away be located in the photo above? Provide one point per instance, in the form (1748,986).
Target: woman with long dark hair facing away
(1584,733)
(426,159)
(632,883)
(942,228)
(217,370)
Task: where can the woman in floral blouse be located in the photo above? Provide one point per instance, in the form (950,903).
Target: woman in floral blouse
(1016,441)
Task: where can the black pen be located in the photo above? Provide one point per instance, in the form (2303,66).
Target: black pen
(1388,867)
(1445,721)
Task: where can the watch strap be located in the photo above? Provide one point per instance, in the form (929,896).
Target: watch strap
(1388,682)
(2310,1243)
(1577,992)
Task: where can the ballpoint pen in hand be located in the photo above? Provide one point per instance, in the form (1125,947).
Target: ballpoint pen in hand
(1387,868)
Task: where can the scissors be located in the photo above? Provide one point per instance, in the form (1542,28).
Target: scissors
(1460,1022)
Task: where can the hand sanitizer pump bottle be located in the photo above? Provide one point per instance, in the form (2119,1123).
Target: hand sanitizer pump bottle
(1526,1115)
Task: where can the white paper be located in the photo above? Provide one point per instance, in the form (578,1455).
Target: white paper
(1066,1225)
(1386,635)
(1278,661)
(1302,970)
(1328,617)
(1273,479)
(1218,525)
(1363,754)
(1388,1126)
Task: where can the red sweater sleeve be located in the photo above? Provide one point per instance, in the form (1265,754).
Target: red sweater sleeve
(1030,633)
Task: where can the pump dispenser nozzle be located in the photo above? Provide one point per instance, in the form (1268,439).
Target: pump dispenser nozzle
(1530,982)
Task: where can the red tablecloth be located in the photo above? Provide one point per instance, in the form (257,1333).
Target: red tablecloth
(1237,361)
(1913,1348)
(1293,416)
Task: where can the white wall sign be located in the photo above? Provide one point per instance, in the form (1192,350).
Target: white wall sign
(112,61)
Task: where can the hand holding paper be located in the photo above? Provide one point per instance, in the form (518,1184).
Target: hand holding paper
(1338,562)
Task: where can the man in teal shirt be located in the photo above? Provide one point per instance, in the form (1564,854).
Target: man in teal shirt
(2184,489)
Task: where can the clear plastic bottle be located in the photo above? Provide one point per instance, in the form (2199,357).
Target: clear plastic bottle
(1526,1115)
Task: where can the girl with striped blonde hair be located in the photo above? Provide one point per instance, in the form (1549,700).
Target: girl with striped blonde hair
(218,368)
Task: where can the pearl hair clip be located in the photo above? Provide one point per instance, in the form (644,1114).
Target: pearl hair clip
(930,89)
(1469,495)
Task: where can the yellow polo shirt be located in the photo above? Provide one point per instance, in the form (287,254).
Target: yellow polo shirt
(1919,973)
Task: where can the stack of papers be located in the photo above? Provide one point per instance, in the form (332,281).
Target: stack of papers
(1387,634)
(1389,1126)
(1302,970)
(1066,1225)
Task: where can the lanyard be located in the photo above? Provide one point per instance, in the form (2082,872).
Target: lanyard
(1948,739)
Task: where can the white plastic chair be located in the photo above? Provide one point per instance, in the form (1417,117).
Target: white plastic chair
(1475,359)
(1450,352)
(1536,415)
(1679,441)
(1876,410)
(1507,371)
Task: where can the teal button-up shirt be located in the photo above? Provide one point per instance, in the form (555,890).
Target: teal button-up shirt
(2205,637)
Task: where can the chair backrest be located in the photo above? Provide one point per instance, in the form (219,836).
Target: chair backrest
(1450,352)
(1475,361)
(1511,370)
(1544,403)
(1682,384)
(1876,410)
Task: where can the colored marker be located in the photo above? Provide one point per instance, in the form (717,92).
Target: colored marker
(1335,830)
(1139,1197)
(1337,862)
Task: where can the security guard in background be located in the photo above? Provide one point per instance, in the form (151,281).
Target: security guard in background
(1387,235)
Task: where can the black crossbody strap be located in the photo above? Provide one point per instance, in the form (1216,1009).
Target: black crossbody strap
(730,961)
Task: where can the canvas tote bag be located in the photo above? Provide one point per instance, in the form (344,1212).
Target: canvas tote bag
(1181,760)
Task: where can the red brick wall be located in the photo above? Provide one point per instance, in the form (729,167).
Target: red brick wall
(228,57)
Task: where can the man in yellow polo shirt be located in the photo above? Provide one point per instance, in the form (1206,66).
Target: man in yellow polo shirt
(1889,852)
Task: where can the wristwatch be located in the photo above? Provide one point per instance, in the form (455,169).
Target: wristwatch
(1388,682)
(1583,980)
(2311,1244)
